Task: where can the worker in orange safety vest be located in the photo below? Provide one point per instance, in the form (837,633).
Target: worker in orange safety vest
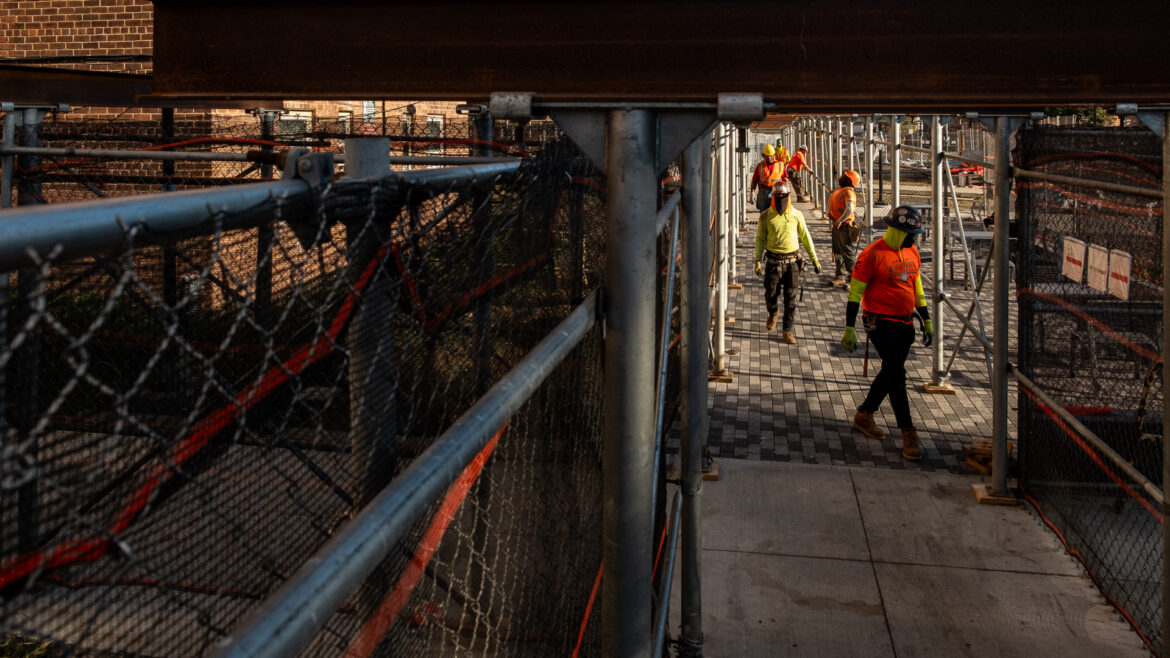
(766,175)
(796,167)
(846,228)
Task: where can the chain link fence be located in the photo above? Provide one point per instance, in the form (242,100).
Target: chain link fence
(75,178)
(189,421)
(1090,335)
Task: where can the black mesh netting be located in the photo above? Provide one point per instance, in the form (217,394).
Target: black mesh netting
(189,421)
(1095,348)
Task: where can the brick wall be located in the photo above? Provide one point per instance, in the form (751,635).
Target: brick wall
(78,28)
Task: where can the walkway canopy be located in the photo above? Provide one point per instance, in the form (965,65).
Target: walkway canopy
(853,56)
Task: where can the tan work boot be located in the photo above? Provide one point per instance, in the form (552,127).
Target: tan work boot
(911,448)
(863,422)
(772,320)
(838,283)
(787,337)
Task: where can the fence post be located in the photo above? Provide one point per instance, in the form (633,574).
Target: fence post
(895,161)
(728,197)
(370,342)
(937,172)
(627,447)
(696,317)
(27,357)
(11,119)
(721,251)
(836,124)
(1165,385)
(999,383)
(266,232)
(869,179)
(852,150)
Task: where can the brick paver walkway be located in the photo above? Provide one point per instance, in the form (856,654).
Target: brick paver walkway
(795,402)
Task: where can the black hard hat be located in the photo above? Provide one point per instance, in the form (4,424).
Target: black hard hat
(906,219)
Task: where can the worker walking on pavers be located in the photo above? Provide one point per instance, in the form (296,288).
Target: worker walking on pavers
(782,157)
(846,229)
(779,236)
(796,167)
(887,287)
(767,174)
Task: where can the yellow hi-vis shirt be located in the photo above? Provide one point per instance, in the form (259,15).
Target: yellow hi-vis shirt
(783,233)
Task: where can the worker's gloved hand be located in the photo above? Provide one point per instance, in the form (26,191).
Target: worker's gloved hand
(817,267)
(759,268)
(927,332)
(849,340)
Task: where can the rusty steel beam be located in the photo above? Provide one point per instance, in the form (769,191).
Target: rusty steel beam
(853,55)
(43,85)
(40,85)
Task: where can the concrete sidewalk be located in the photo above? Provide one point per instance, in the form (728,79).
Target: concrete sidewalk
(808,560)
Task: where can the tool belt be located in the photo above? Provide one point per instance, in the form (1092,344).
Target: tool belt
(871,319)
(774,257)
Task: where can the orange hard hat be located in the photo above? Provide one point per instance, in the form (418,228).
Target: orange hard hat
(853,177)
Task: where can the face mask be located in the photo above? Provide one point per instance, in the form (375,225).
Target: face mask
(781,202)
(909,241)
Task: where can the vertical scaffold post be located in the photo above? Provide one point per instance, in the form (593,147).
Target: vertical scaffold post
(721,251)
(895,161)
(696,316)
(11,119)
(1165,385)
(937,172)
(369,343)
(837,152)
(627,448)
(999,382)
(849,144)
(728,188)
(266,233)
(869,179)
(823,151)
(27,357)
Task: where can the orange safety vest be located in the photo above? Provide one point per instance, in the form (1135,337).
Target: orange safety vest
(837,201)
(797,162)
(770,174)
(889,276)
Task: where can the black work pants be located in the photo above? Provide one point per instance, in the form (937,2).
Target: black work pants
(845,239)
(786,275)
(796,178)
(892,340)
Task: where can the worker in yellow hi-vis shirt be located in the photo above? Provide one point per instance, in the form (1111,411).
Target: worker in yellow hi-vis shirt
(780,235)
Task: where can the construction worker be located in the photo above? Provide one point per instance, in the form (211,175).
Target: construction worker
(767,174)
(779,236)
(796,166)
(846,228)
(782,157)
(888,289)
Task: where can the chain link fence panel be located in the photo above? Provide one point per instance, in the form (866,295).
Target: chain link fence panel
(1091,317)
(189,421)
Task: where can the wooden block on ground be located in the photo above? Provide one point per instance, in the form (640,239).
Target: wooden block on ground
(979,465)
(713,472)
(730,321)
(734,286)
(938,389)
(722,377)
(984,496)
